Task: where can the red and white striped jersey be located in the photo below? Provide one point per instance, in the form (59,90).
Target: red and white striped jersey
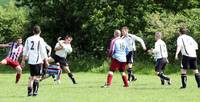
(15,50)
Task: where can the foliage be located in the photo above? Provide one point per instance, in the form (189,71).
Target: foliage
(13,22)
(169,24)
(92,22)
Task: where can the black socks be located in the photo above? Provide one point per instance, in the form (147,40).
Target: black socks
(184,80)
(35,87)
(197,77)
(72,78)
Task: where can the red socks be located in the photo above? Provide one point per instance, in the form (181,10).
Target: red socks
(125,80)
(109,79)
(18,76)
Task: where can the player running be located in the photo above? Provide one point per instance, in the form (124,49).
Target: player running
(15,51)
(117,51)
(35,52)
(62,49)
(188,46)
(161,54)
(130,43)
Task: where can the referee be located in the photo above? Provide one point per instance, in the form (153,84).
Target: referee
(188,46)
(34,50)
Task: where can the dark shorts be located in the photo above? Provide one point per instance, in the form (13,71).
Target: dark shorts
(130,57)
(116,65)
(35,70)
(63,62)
(160,64)
(191,61)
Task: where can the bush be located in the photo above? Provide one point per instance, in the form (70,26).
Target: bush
(13,22)
(169,24)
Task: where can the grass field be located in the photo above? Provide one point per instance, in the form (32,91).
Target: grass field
(146,89)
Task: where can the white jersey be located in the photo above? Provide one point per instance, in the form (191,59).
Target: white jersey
(130,42)
(35,50)
(188,45)
(67,49)
(160,50)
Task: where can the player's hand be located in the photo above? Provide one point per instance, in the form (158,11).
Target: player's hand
(59,38)
(176,57)
(150,51)
(167,61)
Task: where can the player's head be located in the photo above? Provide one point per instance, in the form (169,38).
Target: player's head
(124,30)
(183,30)
(19,40)
(36,30)
(158,35)
(68,39)
(117,33)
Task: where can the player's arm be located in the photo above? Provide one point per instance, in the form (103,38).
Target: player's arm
(68,48)
(139,39)
(49,49)
(178,49)
(4,45)
(43,52)
(155,50)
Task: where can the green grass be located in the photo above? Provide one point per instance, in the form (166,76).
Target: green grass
(146,89)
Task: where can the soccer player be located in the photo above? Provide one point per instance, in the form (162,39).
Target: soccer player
(15,51)
(35,52)
(44,68)
(188,46)
(117,51)
(161,54)
(54,71)
(130,43)
(62,49)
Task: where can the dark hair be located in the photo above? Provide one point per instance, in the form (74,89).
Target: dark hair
(183,30)
(68,36)
(36,29)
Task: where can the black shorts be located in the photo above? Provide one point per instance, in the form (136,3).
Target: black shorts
(35,70)
(191,61)
(63,62)
(160,64)
(130,57)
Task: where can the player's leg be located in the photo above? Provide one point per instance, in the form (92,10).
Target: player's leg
(36,85)
(131,76)
(30,85)
(122,70)
(3,62)
(163,64)
(184,65)
(37,75)
(194,67)
(183,78)
(58,76)
(70,75)
(113,67)
(19,73)
(109,79)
